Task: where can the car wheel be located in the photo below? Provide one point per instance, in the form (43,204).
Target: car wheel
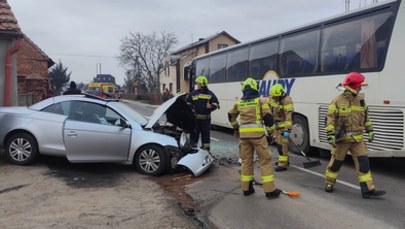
(21,149)
(299,136)
(151,160)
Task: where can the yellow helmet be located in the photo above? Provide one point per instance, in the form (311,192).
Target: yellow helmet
(251,83)
(277,90)
(202,80)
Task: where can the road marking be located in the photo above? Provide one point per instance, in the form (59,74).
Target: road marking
(215,139)
(322,175)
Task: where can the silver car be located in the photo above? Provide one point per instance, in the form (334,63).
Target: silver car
(84,129)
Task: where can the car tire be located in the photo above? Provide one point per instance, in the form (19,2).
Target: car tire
(151,160)
(21,149)
(299,135)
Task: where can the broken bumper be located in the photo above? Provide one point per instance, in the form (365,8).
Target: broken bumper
(197,161)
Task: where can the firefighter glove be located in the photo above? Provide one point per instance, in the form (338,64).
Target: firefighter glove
(371,136)
(331,139)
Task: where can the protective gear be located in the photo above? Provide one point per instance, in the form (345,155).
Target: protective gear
(280,169)
(250,82)
(352,81)
(364,164)
(251,111)
(331,139)
(282,110)
(371,136)
(202,80)
(273,194)
(328,188)
(277,90)
(336,165)
(198,100)
(372,193)
(250,191)
(349,111)
(286,134)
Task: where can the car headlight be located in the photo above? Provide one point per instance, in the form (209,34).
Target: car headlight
(184,141)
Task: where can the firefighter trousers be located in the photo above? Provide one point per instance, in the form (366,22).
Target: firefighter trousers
(247,148)
(282,148)
(360,158)
(203,127)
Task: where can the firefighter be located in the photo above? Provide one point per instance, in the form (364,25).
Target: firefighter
(254,114)
(203,102)
(281,107)
(347,119)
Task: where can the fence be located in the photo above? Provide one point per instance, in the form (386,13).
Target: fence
(27,99)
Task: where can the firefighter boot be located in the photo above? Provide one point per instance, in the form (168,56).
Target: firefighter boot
(372,193)
(273,194)
(329,188)
(280,169)
(367,194)
(250,191)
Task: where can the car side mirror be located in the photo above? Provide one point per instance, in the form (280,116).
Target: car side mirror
(125,124)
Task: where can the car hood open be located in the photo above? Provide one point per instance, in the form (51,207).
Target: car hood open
(177,113)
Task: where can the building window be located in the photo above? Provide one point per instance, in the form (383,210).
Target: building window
(222,46)
(170,87)
(163,87)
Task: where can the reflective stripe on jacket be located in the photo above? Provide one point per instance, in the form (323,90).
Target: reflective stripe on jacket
(348,110)
(250,113)
(282,111)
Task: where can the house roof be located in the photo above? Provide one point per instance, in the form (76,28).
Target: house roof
(205,40)
(8,23)
(50,61)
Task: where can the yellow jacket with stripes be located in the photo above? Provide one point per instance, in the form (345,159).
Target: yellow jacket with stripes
(350,111)
(282,111)
(250,113)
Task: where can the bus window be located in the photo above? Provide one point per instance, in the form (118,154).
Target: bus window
(203,67)
(299,54)
(217,68)
(237,64)
(263,57)
(357,45)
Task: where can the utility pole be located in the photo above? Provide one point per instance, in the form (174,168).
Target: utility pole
(98,68)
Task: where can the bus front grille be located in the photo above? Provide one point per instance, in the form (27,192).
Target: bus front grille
(388,127)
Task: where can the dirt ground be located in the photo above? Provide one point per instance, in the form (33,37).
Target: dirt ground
(54,193)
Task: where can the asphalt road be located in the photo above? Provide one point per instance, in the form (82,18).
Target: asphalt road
(344,208)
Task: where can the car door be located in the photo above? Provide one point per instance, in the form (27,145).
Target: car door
(93,133)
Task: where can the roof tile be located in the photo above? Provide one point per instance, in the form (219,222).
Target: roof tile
(8,23)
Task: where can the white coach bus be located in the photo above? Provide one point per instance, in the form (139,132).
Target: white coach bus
(311,61)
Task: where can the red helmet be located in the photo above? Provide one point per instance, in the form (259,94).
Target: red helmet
(354,80)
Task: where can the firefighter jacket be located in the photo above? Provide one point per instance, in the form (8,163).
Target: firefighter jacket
(282,110)
(348,115)
(198,100)
(253,113)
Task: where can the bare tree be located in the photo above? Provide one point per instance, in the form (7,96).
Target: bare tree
(145,53)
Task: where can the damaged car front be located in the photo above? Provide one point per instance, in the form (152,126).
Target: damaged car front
(176,119)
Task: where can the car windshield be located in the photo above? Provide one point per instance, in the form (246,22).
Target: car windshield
(137,117)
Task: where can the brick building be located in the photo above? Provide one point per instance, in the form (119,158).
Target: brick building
(32,71)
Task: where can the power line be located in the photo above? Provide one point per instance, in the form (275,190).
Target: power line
(80,55)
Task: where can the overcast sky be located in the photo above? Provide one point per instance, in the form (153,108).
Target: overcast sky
(83,33)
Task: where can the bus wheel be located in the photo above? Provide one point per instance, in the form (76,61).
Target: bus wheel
(299,136)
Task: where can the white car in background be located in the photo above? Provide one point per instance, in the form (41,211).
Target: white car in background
(85,128)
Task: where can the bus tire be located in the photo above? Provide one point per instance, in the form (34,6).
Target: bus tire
(299,136)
